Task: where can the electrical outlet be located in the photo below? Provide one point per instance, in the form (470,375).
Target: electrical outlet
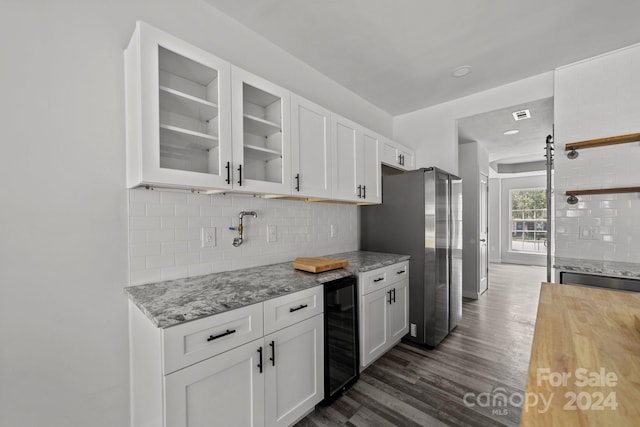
(334,231)
(414,330)
(272,233)
(589,233)
(208,237)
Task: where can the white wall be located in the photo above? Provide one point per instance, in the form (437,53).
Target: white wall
(433,131)
(165,229)
(521,183)
(63,358)
(594,99)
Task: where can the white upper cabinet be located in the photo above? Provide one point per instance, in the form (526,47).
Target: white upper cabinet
(356,167)
(261,140)
(396,155)
(372,179)
(311,149)
(346,149)
(178,113)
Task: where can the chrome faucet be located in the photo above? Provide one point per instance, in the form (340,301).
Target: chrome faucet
(237,241)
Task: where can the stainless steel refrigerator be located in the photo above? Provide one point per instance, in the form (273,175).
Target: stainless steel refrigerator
(421,216)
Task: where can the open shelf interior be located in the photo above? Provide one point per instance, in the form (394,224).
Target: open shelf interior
(262,124)
(188,104)
(252,152)
(260,127)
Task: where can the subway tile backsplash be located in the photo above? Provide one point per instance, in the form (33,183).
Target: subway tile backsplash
(165,229)
(595,99)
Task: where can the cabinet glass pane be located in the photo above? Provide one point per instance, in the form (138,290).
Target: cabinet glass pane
(262,124)
(188,95)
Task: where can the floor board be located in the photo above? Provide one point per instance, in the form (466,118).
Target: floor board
(487,353)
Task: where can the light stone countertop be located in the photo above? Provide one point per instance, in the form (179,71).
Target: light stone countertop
(172,302)
(604,268)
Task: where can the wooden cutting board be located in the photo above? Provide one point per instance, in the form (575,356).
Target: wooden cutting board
(319,264)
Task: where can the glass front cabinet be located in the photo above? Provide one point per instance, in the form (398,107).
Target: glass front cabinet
(178,113)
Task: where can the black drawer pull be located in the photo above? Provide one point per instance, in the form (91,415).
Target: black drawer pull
(260,363)
(401,272)
(291,310)
(379,279)
(273,353)
(224,334)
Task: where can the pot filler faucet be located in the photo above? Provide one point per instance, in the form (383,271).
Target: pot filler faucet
(237,241)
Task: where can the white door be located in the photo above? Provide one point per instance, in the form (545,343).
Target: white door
(399,316)
(346,143)
(294,371)
(483,282)
(261,134)
(225,390)
(311,149)
(374,325)
(372,181)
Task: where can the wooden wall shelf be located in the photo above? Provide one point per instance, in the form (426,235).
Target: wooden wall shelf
(601,142)
(603,191)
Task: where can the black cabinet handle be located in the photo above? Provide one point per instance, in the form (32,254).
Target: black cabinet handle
(291,310)
(389,300)
(364,191)
(224,334)
(379,279)
(228,167)
(393,292)
(401,272)
(273,353)
(240,175)
(297,182)
(260,362)
(400,159)
(359,191)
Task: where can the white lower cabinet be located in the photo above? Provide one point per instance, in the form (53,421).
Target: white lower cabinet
(384,310)
(294,378)
(225,390)
(239,380)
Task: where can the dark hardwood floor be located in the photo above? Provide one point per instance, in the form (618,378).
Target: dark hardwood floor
(487,353)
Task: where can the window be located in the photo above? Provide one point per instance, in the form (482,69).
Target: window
(529,220)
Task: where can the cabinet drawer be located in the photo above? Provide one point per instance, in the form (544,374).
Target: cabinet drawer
(398,272)
(195,341)
(374,280)
(289,309)
(381,277)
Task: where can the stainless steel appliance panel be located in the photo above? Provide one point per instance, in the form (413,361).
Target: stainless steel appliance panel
(415,219)
(455,285)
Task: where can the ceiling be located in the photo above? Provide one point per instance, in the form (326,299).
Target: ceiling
(399,54)
(527,146)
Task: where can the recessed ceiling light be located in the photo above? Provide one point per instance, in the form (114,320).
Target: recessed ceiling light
(511,132)
(461,71)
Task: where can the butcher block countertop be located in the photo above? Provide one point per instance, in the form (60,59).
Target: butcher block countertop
(585,360)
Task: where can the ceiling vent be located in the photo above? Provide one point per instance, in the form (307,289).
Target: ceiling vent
(521,115)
